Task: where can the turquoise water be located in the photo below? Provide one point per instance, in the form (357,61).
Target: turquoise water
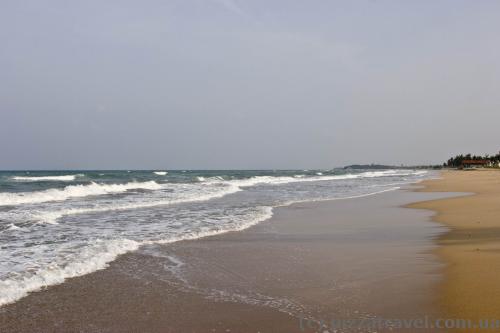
(60,224)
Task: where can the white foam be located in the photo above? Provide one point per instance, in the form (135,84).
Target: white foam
(192,194)
(184,195)
(370,194)
(263,213)
(72,191)
(200,179)
(98,254)
(283,180)
(176,268)
(229,187)
(12,226)
(65,178)
(93,257)
(160,173)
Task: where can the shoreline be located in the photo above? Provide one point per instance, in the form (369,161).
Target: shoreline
(135,245)
(470,248)
(358,258)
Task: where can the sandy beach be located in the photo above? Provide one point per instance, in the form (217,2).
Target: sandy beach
(470,248)
(357,259)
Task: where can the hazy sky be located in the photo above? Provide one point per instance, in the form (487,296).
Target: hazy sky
(246,83)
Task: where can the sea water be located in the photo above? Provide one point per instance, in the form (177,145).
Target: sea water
(60,224)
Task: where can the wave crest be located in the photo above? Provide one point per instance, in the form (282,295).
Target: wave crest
(72,191)
(64,178)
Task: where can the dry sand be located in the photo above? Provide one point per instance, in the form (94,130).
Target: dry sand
(471,248)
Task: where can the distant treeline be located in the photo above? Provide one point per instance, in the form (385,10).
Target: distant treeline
(458,160)
(384,167)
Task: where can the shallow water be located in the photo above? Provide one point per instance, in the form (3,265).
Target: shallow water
(55,225)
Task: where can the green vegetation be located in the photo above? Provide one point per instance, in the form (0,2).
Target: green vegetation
(385,167)
(458,161)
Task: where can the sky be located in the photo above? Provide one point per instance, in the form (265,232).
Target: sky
(246,84)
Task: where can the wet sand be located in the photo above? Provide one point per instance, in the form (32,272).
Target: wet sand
(471,248)
(345,259)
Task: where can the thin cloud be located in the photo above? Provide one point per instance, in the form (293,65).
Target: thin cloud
(231,5)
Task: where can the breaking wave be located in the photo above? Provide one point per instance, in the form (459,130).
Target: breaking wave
(65,178)
(72,191)
(99,253)
(90,243)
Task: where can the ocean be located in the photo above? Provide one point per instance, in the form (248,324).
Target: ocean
(60,224)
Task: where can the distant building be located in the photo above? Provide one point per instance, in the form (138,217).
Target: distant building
(467,164)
